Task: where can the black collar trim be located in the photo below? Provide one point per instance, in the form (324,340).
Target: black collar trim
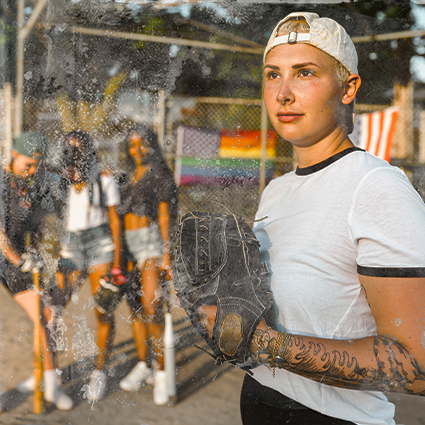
(328,161)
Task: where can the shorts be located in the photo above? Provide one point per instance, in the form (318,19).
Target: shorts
(264,405)
(15,280)
(89,248)
(144,243)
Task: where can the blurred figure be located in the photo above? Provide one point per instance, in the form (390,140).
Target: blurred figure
(25,200)
(92,239)
(149,206)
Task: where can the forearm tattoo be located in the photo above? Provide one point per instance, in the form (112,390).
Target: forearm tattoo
(390,367)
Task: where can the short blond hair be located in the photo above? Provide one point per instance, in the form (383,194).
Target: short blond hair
(299,24)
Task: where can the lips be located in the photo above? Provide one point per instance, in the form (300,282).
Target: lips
(288,117)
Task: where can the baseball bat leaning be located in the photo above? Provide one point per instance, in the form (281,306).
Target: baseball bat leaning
(38,352)
(169,348)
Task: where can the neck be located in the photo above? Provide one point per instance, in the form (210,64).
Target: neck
(80,186)
(335,142)
(140,170)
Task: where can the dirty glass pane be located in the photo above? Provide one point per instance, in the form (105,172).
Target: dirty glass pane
(186,78)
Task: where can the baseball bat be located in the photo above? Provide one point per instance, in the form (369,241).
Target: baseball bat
(169,350)
(38,393)
(170,357)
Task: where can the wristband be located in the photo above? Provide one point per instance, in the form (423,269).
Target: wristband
(117,277)
(116,270)
(282,341)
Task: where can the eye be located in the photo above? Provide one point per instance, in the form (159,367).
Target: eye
(305,73)
(272,75)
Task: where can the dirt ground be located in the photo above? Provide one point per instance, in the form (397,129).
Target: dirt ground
(207,394)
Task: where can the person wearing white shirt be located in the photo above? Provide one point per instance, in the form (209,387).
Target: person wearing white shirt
(342,236)
(91,242)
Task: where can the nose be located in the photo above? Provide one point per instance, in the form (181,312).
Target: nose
(285,95)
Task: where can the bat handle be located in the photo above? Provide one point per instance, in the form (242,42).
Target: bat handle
(170,358)
(38,352)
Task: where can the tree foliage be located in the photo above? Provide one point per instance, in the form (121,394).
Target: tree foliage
(80,65)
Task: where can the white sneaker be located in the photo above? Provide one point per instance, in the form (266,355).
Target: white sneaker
(97,386)
(160,392)
(139,374)
(60,400)
(28,386)
(53,392)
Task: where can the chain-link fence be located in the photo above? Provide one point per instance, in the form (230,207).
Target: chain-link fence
(218,115)
(214,147)
(198,126)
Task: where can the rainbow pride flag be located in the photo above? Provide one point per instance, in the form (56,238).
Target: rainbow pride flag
(208,157)
(246,144)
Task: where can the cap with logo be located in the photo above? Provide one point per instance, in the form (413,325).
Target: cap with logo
(325,34)
(30,143)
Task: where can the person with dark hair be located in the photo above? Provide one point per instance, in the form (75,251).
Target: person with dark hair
(92,241)
(149,208)
(25,201)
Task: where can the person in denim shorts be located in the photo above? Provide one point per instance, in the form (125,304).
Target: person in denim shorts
(91,242)
(148,205)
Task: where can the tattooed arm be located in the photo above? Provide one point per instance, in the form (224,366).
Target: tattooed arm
(394,360)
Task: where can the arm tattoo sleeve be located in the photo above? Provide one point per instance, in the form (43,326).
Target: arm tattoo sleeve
(389,368)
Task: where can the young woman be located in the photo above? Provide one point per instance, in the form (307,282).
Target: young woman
(345,249)
(92,238)
(148,205)
(25,199)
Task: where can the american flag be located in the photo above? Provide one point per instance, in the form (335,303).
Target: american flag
(374,132)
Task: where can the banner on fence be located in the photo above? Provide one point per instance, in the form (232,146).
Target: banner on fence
(223,157)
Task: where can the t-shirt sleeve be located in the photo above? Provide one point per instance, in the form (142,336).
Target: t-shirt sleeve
(112,194)
(387,225)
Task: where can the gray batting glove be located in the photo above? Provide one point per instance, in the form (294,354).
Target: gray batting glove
(30,261)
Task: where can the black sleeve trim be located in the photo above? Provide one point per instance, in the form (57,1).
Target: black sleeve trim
(391,271)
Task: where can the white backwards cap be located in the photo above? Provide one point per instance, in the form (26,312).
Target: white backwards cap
(325,34)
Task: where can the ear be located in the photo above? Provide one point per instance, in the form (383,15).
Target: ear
(351,86)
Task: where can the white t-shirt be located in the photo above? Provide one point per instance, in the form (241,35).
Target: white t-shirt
(352,213)
(82,215)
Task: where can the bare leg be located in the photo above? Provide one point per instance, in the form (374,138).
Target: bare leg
(152,303)
(28,301)
(140,333)
(106,324)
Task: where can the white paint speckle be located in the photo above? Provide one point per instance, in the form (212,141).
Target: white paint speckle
(397,322)
(423,339)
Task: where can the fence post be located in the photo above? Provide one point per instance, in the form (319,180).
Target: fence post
(7,121)
(422,138)
(168,133)
(161,117)
(263,146)
(403,143)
